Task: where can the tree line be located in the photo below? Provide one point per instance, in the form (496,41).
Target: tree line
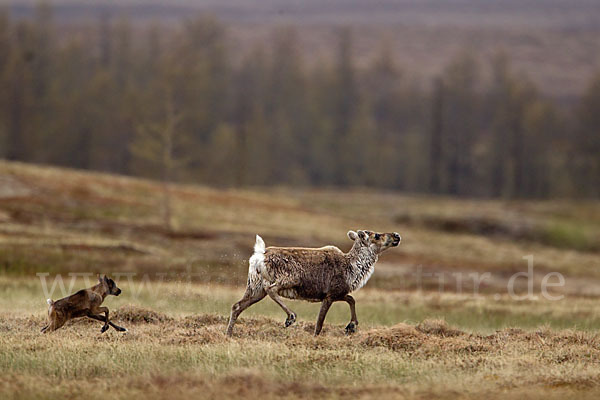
(174,103)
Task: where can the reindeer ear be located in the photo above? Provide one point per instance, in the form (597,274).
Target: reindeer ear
(362,234)
(352,235)
(100,278)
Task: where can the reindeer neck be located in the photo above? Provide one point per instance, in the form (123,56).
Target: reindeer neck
(361,265)
(100,289)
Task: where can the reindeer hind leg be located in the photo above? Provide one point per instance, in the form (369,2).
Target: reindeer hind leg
(272,291)
(251,296)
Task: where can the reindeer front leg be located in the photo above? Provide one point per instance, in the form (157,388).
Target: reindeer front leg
(322,313)
(102,319)
(351,327)
(99,310)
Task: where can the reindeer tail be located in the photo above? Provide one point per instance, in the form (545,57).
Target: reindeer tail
(257,264)
(258,258)
(50,302)
(259,246)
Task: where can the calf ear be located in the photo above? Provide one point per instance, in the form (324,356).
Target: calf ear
(352,235)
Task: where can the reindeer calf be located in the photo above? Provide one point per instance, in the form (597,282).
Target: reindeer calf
(84,303)
(321,275)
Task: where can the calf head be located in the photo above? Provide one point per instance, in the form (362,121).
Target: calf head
(377,242)
(110,285)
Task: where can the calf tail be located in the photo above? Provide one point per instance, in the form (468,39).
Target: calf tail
(51,315)
(50,306)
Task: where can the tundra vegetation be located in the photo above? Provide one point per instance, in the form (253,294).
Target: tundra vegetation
(417,338)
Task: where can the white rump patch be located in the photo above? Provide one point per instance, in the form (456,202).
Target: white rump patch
(256,265)
(259,246)
(257,261)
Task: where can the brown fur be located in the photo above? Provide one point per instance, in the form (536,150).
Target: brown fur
(323,275)
(84,303)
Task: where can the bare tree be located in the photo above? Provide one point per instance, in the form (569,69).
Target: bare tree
(158,143)
(435,153)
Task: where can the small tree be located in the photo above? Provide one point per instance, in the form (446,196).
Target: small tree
(586,141)
(160,144)
(436,136)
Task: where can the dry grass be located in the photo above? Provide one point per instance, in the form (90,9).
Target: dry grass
(162,356)
(176,347)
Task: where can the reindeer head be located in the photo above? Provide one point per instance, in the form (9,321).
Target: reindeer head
(111,286)
(377,242)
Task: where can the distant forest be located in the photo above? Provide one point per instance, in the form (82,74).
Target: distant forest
(171,103)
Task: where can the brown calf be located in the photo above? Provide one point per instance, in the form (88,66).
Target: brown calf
(84,303)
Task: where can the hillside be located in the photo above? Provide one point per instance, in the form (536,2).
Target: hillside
(78,220)
(417,338)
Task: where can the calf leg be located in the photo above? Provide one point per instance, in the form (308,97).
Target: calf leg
(55,320)
(54,325)
(322,313)
(250,297)
(272,292)
(351,327)
(98,310)
(101,318)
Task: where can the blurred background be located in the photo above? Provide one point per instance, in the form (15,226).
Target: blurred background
(471,127)
(461,97)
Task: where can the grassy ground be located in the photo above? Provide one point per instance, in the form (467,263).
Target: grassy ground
(176,347)
(418,337)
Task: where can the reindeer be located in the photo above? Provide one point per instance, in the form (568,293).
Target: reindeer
(323,275)
(84,303)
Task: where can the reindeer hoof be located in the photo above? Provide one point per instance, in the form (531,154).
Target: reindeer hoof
(350,328)
(121,329)
(290,320)
(104,329)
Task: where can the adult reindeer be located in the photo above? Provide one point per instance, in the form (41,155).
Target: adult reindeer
(323,275)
